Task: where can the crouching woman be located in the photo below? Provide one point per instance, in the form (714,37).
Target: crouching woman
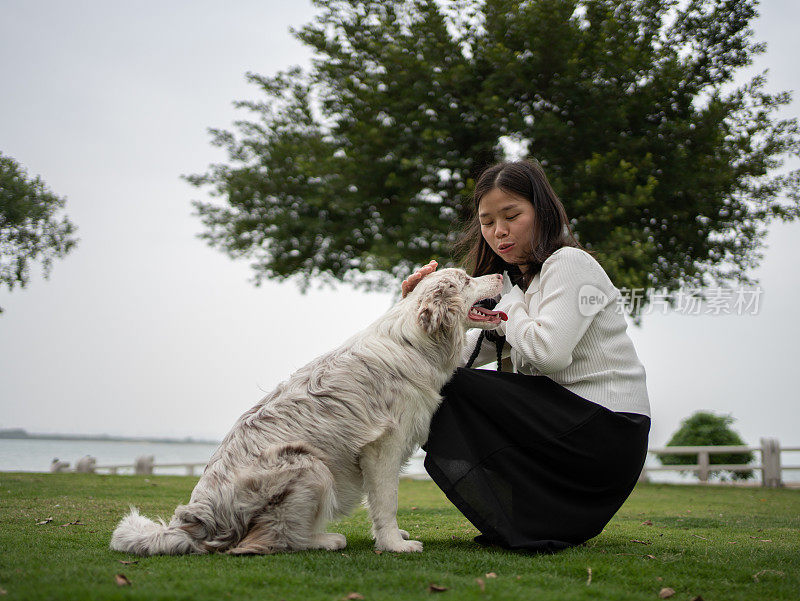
(541,458)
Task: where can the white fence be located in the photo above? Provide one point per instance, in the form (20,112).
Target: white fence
(146,465)
(142,465)
(770,466)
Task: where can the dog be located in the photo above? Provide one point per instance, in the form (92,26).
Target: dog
(338,429)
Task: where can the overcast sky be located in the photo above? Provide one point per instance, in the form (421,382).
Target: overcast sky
(144,330)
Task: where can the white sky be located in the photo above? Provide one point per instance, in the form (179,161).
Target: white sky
(144,330)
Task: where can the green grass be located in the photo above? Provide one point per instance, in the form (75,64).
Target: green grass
(707,541)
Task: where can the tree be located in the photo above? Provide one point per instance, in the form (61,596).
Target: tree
(360,167)
(704,428)
(30,228)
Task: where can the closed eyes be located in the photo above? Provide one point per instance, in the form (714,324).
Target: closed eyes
(508,218)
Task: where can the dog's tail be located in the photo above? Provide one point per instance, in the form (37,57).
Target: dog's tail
(142,536)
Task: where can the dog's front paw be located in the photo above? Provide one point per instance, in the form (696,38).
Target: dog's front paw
(404,534)
(331,541)
(403,546)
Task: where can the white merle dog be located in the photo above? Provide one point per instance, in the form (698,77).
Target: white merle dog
(338,428)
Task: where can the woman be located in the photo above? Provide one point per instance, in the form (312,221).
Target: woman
(540,459)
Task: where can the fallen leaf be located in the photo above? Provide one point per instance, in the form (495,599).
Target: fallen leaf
(346,555)
(481,584)
(732,542)
(589,579)
(659,578)
(697,598)
(698,536)
(435,588)
(122,580)
(647,523)
(75,523)
(641,542)
(765,572)
(765,540)
(491,575)
(413,509)
(666,593)
(650,556)
(378,552)
(127,563)
(44,521)
(354,596)
(3,591)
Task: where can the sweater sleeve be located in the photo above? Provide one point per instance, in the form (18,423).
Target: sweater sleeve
(548,339)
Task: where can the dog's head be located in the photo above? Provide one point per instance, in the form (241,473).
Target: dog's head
(446,299)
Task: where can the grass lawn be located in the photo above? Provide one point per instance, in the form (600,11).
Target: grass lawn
(717,543)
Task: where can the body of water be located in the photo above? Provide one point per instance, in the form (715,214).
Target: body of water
(35,455)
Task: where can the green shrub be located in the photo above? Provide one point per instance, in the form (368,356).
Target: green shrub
(705,428)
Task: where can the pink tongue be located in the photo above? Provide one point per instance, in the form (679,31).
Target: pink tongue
(490,313)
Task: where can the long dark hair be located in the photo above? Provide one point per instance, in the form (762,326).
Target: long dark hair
(551,228)
(551,231)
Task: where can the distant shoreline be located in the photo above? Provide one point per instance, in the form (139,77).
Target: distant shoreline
(20,434)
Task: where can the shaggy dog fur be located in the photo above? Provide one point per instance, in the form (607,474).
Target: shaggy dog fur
(339,428)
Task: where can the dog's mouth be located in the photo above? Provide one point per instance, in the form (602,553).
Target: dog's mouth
(480,313)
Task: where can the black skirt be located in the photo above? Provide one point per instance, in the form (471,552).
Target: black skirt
(531,464)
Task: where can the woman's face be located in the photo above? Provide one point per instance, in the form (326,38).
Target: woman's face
(507,224)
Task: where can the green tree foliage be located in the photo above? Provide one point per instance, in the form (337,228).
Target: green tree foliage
(702,429)
(361,165)
(30,228)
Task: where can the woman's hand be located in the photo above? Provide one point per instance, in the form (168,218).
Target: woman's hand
(510,300)
(411,281)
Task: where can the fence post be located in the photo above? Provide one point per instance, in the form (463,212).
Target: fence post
(189,469)
(703,462)
(771,463)
(85,465)
(143,465)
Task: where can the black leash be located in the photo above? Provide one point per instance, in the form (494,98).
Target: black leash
(490,336)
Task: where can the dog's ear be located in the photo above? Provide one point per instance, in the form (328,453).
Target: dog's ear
(438,307)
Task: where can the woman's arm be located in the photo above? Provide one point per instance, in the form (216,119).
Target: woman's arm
(548,339)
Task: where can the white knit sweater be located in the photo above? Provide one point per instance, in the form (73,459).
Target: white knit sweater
(567,326)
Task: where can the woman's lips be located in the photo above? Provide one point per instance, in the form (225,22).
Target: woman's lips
(505,247)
